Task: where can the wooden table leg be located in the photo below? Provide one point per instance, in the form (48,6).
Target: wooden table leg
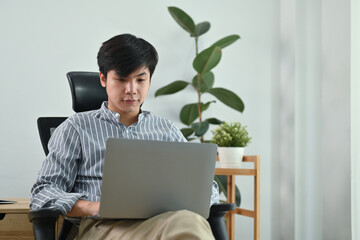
(231,199)
(257,200)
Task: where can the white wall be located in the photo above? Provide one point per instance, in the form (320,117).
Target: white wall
(355,119)
(42,40)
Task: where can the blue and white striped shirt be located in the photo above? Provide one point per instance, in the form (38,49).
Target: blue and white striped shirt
(73,168)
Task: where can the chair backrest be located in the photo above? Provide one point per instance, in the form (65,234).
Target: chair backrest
(46,126)
(87,94)
(86,91)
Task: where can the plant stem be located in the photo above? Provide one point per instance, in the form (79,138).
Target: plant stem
(199,104)
(196,46)
(198,88)
(199,97)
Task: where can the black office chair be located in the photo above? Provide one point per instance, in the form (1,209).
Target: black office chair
(88,94)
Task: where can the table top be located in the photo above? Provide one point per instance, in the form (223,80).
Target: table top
(21,206)
(233,170)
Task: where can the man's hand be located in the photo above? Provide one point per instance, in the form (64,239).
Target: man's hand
(84,208)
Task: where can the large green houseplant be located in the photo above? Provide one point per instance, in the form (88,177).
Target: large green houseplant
(202,83)
(203,80)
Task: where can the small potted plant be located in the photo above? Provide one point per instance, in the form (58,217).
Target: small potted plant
(232,138)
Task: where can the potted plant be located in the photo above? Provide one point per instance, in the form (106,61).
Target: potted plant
(231,138)
(192,113)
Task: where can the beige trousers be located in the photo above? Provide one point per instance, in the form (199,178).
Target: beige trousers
(170,225)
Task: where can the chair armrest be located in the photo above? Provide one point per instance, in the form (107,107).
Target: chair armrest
(216,219)
(222,208)
(44,221)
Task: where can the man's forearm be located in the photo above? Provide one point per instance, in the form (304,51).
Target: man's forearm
(84,208)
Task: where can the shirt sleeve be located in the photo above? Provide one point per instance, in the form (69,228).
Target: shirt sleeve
(214,194)
(179,137)
(176,135)
(56,178)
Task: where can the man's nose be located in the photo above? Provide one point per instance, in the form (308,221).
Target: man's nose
(130,87)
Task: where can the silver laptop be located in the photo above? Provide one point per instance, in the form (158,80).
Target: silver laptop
(144,178)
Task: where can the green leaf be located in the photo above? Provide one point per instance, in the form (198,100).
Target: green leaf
(187,131)
(207,59)
(205,106)
(171,88)
(214,121)
(200,128)
(201,28)
(183,19)
(226,41)
(206,81)
(189,113)
(222,182)
(228,98)
(190,139)
(237,196)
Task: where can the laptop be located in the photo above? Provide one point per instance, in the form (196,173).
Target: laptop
(144,178)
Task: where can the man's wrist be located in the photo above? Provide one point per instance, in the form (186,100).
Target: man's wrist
(84,208)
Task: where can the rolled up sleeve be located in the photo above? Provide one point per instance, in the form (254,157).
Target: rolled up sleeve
(214,194)
(56,178)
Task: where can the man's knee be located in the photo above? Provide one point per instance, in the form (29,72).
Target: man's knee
(185,224)
(190,220)
(188,216)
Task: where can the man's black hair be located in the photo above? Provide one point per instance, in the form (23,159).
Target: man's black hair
(125,53)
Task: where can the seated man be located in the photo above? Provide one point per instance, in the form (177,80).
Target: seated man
(71,175)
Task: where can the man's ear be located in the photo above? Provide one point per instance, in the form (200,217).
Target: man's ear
(102,79)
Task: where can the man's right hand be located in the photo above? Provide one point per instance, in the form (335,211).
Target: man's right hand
(83,208)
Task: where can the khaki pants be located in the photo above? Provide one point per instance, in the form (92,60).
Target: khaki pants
(170,225)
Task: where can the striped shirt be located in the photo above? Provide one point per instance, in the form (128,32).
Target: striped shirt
(73,168)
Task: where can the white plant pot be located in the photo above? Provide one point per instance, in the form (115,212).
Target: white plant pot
(230,156)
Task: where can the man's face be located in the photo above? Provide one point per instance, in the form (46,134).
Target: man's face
(126,94)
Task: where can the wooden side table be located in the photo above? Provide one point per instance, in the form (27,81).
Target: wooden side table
(255,214)
(14,223)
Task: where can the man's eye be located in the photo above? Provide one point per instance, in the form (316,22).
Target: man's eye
(141,80)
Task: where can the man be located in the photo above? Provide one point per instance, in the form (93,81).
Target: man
(71,175)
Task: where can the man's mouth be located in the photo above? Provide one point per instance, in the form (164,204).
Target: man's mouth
(130,101)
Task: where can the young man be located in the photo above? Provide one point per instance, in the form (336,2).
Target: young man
(71,175)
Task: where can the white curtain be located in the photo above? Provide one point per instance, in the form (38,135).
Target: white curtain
(313,197)
(308,118)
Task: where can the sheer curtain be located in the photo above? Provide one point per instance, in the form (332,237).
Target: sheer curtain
(313,196)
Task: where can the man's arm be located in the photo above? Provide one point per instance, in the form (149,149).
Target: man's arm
(58,173)
(83,208)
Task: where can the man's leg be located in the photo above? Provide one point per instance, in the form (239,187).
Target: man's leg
(170,225)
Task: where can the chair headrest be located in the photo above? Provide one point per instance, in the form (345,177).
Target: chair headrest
(86,91)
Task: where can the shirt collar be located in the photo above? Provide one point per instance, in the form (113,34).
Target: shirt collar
(115,115)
